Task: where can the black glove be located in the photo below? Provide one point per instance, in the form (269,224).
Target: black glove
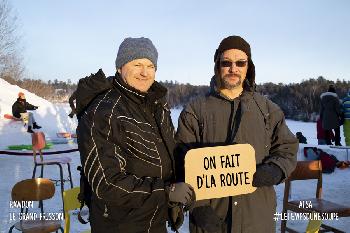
(175,217)
(267,174)
(71,115)
(205,218)
(36,107)
(180,192)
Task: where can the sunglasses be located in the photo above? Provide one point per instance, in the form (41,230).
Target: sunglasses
(239,63)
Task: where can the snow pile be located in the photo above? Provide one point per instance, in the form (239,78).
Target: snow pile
(52,117)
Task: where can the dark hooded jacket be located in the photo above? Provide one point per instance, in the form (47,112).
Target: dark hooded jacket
(214,120)
(330,111)
(21,106)
(126,142)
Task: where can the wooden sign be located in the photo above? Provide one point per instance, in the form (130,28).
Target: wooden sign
(221,171)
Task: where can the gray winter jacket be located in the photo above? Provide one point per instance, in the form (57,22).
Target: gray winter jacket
(214,120)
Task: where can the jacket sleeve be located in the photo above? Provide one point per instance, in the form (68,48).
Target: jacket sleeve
(15,110)
(187,137)
(71,101)
(103,161)
(284,145)
(29,106)
(338,107)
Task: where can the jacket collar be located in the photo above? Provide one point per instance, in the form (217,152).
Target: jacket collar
(215,91)
(329,94)
(155,94)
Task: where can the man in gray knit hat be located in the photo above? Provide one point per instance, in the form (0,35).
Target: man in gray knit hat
(137,62)
(126,142)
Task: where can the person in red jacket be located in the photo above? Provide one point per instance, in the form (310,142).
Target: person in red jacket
(321,137)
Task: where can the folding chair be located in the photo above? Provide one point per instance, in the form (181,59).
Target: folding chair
(37,189)
(307,170)
(313,226)
(38,143)
(71,202)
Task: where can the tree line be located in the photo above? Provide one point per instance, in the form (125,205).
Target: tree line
(299,101)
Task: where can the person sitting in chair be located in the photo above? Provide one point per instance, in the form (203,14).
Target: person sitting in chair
(19,110)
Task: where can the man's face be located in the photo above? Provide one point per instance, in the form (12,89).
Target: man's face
(233,68)
(139,74)
(22,97)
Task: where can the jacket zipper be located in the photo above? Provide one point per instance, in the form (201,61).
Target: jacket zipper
(151,221)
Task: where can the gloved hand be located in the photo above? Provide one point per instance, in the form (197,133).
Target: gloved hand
(180,192)
(267,174)
(36,107)
(205,218)
(175,217)
(190,204)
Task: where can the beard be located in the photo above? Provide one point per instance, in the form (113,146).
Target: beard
(228,84)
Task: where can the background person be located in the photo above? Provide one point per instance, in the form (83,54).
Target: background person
(19,110)
(330,114)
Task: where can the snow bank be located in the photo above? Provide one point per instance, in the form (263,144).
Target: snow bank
(52,117)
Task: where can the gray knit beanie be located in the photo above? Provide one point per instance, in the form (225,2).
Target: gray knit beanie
(136,48)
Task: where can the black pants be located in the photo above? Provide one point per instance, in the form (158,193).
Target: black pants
(328,133)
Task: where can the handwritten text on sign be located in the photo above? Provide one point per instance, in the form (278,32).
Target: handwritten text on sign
(221,171)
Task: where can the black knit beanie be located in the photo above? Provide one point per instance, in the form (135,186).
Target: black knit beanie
(331,88)
(233,42)
(237,42)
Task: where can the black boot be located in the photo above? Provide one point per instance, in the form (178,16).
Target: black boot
(337,142)
(35,126)
(337,136)
(30,129)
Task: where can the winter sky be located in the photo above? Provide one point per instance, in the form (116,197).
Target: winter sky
(291,40)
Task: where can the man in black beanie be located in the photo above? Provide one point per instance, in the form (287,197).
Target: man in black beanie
(233,113)
(126,142)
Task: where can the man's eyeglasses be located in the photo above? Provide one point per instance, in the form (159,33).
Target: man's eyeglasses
(239,63)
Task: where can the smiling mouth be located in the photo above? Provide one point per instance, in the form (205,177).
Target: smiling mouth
(142,79)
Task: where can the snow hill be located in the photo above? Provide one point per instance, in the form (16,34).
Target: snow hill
(52,117)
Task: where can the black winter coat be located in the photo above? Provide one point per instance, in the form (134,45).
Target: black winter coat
(330,112)
(126,141)
(21,106)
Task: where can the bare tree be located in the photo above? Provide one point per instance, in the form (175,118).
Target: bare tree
(11,66)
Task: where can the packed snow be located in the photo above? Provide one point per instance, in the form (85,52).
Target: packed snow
(53,118)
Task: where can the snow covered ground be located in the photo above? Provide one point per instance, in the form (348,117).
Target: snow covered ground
(53,118)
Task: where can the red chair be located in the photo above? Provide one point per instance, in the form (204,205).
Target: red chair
(39,143)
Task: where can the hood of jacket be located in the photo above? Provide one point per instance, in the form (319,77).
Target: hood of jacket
(90,87)
(328,94)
